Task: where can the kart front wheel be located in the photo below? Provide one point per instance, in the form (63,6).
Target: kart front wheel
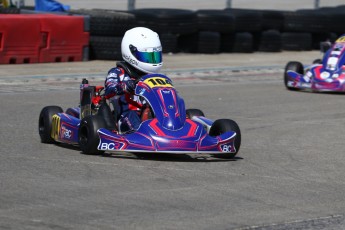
(88,136)
(45,123)
(317,61)
(225,125)
(294,66)
(194,112)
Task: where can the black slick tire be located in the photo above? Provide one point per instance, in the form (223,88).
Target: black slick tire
(221,126)
(45,123)
(88,136)
(294,66)
(194,112)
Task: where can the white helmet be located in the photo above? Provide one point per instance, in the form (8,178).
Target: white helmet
(142,49)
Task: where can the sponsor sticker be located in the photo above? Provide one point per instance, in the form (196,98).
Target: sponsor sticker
(306,85)
(66,133)
(111,146)
(130,60)
(55,127)
(227,148)
(335,75)
(324,75)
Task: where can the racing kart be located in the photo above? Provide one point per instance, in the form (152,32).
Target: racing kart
(166,126)
(326,75)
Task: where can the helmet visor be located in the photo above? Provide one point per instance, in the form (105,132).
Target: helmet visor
(149,55)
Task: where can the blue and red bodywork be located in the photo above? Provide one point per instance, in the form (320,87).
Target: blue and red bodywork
(327,76)
(169,131)
(152,137)
(65,126)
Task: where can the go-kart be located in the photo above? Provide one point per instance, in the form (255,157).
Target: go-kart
(326,75)
(166,126)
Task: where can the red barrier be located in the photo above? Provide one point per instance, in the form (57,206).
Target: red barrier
(32,38)
(64,38)
(20,39)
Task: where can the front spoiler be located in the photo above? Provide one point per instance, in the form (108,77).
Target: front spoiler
(143,143)
(328,85)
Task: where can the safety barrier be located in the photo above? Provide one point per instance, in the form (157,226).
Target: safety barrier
(20,39)
(32,38)
(64,38)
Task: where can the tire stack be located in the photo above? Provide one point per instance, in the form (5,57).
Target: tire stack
(240,42)
(334,26)
(213,31)
(247,23)
(255,30)
(211,24)
(298,29)
(336,17)
(261,29)
(270,41)
(107,28)
(170,24)
(269,38)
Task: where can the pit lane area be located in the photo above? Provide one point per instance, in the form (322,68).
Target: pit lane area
(287,175)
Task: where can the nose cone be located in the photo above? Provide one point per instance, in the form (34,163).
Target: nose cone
(174,121)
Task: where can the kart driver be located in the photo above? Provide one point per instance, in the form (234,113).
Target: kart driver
(141,51)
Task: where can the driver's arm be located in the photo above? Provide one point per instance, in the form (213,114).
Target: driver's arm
(113,85)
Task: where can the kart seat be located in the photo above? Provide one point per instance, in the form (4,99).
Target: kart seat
(105,112)
(146,113)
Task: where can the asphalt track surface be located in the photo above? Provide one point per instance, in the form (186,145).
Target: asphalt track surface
(289,173)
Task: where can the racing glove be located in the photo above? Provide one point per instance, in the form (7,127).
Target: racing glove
(129,86)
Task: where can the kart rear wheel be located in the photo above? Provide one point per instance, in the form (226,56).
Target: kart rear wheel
(225,125)
(45,123)
(194,112)
(294,66)
(88,136)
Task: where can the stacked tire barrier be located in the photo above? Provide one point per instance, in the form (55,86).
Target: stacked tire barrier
(37,38)
(217,31)
(106,30)
(213,31)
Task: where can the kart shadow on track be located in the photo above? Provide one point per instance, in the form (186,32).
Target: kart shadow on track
(331,93)
(170,157)
(318,92)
